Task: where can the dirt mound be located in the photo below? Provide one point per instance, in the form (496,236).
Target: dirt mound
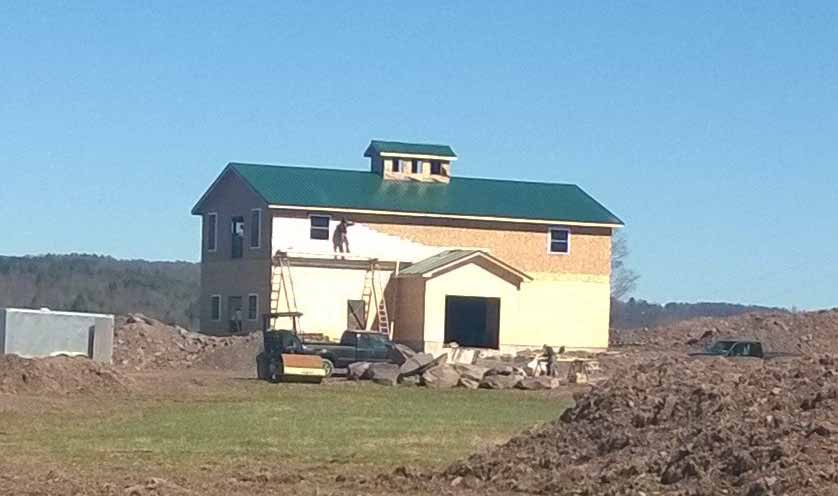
(697,427)
(58,375)
(143,343)
(806,332)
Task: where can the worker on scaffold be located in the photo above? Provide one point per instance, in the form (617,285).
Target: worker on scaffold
(340,240)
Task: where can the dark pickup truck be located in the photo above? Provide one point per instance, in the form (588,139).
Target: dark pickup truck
(734,347)
(354,346)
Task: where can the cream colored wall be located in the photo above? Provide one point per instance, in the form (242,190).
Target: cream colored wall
(468,280)
(322,294)
(568,311)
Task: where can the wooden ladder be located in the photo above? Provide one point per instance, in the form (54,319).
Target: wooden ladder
(371,297)
(282,285)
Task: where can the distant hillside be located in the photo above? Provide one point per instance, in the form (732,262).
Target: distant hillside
(167,291)
(639,313)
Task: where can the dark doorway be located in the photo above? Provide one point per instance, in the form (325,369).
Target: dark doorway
(356,315)
(472,321)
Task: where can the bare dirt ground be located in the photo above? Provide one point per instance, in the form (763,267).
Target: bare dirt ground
(183,416)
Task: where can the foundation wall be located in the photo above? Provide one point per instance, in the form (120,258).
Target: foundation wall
(40,333)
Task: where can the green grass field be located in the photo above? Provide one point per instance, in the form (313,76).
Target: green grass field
(363,425)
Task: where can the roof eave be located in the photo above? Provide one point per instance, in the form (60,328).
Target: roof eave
(520,220)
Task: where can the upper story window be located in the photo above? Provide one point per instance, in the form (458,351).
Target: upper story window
(319,226)
(255,228)
(417,167)
(212,231)
(237,238)
(559,240)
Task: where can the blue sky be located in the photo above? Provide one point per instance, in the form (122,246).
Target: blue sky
(709,127)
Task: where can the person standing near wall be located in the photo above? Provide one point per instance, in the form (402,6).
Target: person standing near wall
(340,240)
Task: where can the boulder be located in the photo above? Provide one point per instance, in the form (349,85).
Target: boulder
(358,371)
(539,383)
(500,381)
(501,370)
(474,373)
(401,353)
(468,383)
(386,374)
(417,364)
(441,376)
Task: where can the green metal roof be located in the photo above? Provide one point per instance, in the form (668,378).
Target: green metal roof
(442,259)
(377,147)
(439,260)
(463,196)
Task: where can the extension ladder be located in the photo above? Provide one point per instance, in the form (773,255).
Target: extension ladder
(372,298)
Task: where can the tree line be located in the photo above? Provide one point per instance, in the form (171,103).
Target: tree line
(92,283)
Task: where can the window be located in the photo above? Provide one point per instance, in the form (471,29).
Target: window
(320,226)
(255,228)
(237,238)
(397,166)
(215,307)
(436,167)
(212,231)
(559,240)
(252,306)
(417,167)
(372,341)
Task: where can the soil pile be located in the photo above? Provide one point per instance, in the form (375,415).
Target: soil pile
(58,375)
(143,343)
(697,427)
(806,332)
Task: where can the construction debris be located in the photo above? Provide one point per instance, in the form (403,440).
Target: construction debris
(58,375)
(386,374)
(441,376)
(676,426)
(142,343)
(805,332)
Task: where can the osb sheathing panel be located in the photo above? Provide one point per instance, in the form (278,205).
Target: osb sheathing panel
(521,245)
(524,247)
(410,311)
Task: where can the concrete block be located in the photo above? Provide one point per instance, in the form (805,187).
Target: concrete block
(39,333)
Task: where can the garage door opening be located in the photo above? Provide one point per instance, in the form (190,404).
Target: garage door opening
(472,321)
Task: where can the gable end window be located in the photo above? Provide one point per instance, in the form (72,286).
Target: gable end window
(559,240)
(212,231)
(215,307)
(255,228)
(319,226)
